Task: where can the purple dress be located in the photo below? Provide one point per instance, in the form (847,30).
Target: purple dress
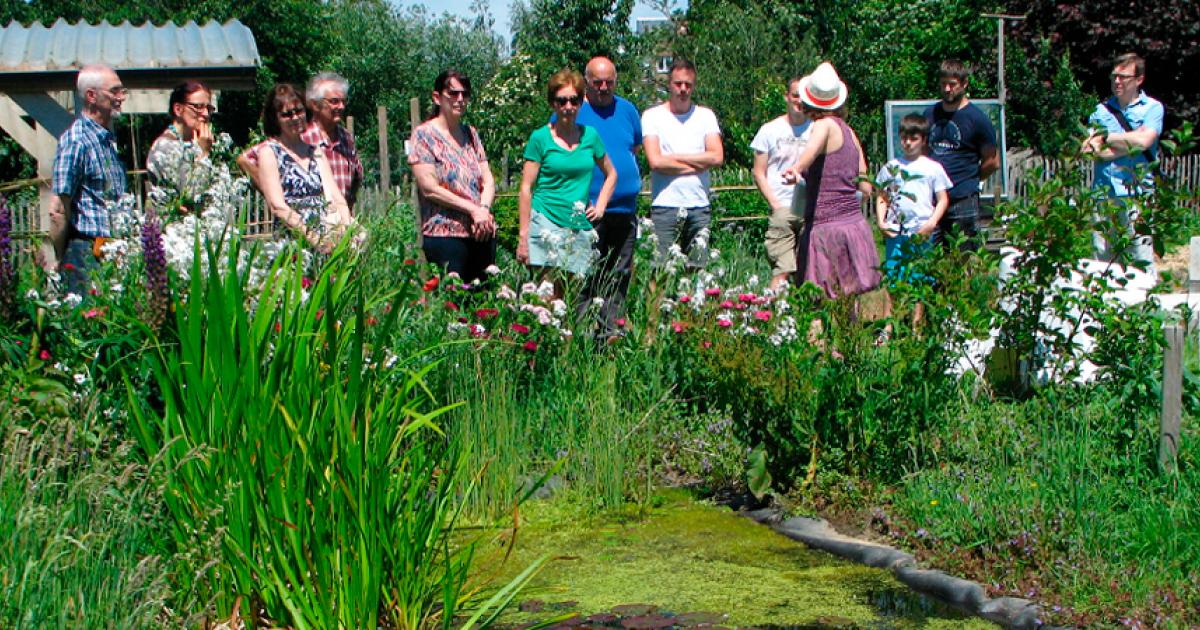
(836,251)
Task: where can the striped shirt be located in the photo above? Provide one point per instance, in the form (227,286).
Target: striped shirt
(341,153)
(88,169)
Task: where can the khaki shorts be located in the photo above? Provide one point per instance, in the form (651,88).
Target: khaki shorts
(782,230)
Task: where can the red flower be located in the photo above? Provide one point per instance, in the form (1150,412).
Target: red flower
(320,314)
(278,327)
(677,326)
(463,320)
(620,322)
(93,291)
(530,345)
(478,331)
(68,267)
(684,299)
(764,316)
(431,284)
(486,313)
(409,261)
(44,355)
(305,283)
(712,292)
(451,305)
(706,344)
(92,313)
(371,321)
(520,329)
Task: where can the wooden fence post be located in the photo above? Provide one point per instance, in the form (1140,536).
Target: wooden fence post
(414,119)
(385,166)
(1194,265)
(1172,399)
(350,125)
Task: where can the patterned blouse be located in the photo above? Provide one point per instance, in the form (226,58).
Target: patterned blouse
(302,189)
(458,169)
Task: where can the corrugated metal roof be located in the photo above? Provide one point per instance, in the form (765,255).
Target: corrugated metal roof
(65,46)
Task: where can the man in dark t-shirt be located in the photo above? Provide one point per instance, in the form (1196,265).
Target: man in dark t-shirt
(963,140)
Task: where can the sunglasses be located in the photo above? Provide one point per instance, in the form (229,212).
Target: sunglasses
(561,101)
(292,113)
(455,94)
(200,108)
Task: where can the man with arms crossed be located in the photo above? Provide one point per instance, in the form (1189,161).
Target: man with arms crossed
(1129,124)
(682,141)
(88,176)
(778,145)
(963,140)
(620,128)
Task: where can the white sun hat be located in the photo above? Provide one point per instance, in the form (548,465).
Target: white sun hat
(823,89)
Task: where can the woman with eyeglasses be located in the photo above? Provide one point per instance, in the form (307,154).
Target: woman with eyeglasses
(454,184)
(555,215)
(296,179)
(171,160)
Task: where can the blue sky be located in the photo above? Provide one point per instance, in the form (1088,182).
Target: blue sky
(500,10)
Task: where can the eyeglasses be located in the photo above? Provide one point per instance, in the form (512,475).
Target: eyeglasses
(117,90)
(561,101)
(335,101)
(453,94)
(293,113)
(1117,76)
(200,108)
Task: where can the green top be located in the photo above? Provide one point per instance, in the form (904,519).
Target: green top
(561,190)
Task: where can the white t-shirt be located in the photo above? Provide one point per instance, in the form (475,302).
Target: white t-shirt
(912,186)
(681,134)
(783,142)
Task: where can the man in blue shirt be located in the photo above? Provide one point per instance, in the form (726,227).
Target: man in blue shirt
(963,140)
(1125,141)
(88,176)
(620,127)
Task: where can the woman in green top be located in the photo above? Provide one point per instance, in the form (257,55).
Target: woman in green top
(556,214)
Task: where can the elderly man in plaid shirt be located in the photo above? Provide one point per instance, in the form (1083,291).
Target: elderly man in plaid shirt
(326,96)
(88,176)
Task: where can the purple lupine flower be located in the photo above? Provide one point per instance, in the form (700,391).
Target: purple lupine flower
(155,256)
(8,273)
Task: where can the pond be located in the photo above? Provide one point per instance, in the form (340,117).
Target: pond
(686,563)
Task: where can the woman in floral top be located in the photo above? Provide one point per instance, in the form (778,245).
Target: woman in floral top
(171,161)
(455,185)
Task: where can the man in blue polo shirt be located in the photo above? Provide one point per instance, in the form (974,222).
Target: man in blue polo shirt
(1125,141)
(88,177)
(620,127)
(963,140)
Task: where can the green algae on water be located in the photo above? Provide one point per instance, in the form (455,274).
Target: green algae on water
(686,556)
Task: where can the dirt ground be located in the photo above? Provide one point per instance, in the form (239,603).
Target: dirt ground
(1174,266)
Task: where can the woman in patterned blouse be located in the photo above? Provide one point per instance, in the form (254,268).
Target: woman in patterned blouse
(455,185)
(296,179)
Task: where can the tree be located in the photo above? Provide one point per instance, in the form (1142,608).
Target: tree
(556,34)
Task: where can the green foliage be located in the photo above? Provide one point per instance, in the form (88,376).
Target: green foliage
(1046,101)
(558,34)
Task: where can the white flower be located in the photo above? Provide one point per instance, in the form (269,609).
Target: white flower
(506,293)
(545,289)
(597,301)
(72,300)
(714,254)
(529,288)
(454,327)
(559,307)
(667,305)
(32,295)
(80,378)
(681,214)
(492,270)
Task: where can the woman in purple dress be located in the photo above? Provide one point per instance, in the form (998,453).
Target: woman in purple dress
(836,251)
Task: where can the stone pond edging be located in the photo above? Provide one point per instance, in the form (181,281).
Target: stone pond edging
(1010,612)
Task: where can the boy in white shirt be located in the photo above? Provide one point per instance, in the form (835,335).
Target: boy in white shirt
(914,195)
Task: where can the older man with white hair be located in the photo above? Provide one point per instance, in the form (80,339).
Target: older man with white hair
(326,97)
(88,177)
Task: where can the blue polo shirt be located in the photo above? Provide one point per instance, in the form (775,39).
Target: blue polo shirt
(620,128)
(1117,177)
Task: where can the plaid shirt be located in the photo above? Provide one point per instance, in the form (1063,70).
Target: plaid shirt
(342,155)
(87,167)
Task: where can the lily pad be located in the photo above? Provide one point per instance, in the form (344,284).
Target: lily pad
(630,610)
(647,622)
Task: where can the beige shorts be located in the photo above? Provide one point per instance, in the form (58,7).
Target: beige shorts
(782,230)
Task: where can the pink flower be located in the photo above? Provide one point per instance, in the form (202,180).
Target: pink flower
(530,345)
(745,297)
(620,322)
(520,329)
(451,305)
(478,330)
(712,292)
(44,355)
(706,344)
(92,313)
(763,316)
(684,299)
(677,326)
(305,282)
(724,323)
(726,304)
